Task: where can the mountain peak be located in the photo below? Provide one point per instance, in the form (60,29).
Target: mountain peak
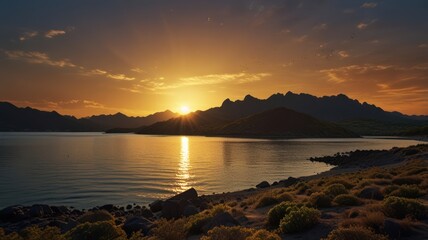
(119,114)
(250,98)
(226,102)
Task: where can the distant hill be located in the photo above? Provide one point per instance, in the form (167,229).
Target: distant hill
(120,120)
(283,122)
(13,118)
(370,127)
(280,122)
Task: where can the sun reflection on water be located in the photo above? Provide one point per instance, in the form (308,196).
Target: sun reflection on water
(183,177)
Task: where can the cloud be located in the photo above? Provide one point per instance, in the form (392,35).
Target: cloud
(369,5)
(27,35)
(344,74)
(122,77)
(364,25)
(54,33)
(210,79)
(343,54)
(38,58)
(320,27)
(138,70)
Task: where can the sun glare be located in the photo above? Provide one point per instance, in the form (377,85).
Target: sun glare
(184,110)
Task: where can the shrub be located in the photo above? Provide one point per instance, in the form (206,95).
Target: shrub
(239,233)
(397,207)
(47,233)
(228,233)
(170,230)
(266,201)
(407,191)
(416,171)
(299,219)
(335,189)
(301,187)
(33,233)
(95,216)
(354,233)
(407,180)
(264,235)
(347,200)
(196,222)
(344,182)
(320,200)
(278,212)
(96,231)
(272,198)
(381,175)
(389,189)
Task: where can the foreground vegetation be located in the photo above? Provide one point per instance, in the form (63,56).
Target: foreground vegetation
(375,203)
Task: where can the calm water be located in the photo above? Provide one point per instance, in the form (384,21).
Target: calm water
(89,169)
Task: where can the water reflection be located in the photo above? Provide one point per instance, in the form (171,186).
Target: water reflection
(183,177)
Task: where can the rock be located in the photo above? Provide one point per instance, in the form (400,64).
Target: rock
(60,210)
(371,193)
(13,214)
(156,206)
(190,210)
(135,224)
(221,219)
(275,183)
(289,181)
(108,207)
(263,184)
(62,225)
(128,207)
(40,210)
(392,228)
(146,213)
(171,209)
(186,195)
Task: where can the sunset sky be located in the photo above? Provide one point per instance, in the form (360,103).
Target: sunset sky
(82,57)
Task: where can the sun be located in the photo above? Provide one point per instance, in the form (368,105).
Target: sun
(184,110)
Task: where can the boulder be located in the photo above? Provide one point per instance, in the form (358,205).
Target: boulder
(263,184)
(171,209)
(135,224)
(186,195)
(190,210)
(220,219)
(128,207)
(60,210)
(108,207)
(289,181)
(371,193)
(156,206)
(40,210)
(13,214)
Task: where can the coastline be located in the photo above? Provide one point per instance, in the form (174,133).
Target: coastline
(188,203)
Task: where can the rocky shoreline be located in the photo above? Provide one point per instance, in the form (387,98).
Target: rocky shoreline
(136,218)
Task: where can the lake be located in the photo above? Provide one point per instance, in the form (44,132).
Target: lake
(90,169)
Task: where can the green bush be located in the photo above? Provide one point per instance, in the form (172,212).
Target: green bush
(354,233)
(344,182)
(381,175)
(196,222)
(278,212)
(397,207)
(228,233)
(389,189)
(96,231)
(347,200)
(266,201)
(34,233)
(407,191)
(264,235)
(407,180)
(320,200)
(95,216)
(335,189)
(169,230)
(299,219)
(239,233)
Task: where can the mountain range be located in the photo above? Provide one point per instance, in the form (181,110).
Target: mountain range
(361,118)
(13,118)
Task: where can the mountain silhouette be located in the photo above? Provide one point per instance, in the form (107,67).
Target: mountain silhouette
(279,122)
(349,113)
(13,118)
(120,120)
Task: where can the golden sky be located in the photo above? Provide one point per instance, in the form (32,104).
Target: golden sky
(138,57)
